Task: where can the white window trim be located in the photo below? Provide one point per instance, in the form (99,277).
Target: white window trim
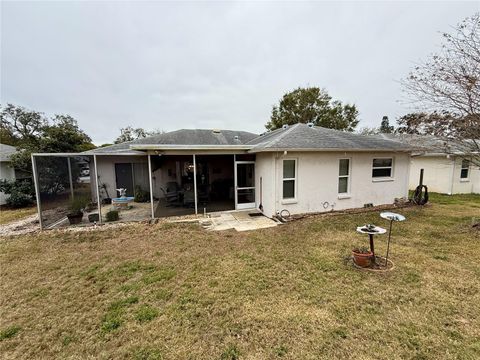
(467,179)
(345,195)
(295,182)
(384,178)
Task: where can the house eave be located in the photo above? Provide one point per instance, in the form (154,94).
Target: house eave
(189,147)
(327,150)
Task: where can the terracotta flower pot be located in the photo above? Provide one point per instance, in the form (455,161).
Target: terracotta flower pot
(362,259)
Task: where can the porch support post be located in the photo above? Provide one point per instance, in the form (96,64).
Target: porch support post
(99,205)
(235,185)
(37,191)
(195,183)
(151,185)
(70,176)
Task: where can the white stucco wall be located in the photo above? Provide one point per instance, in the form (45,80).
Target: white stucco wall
(8,173)
(106,171)
(317,181)
(442,175)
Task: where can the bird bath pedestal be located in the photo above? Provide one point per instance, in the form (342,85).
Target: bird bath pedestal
(371,231)
(392,217)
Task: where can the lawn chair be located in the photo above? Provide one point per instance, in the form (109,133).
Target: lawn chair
(172,194)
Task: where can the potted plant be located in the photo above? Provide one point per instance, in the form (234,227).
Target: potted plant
(75,210)
(362,256)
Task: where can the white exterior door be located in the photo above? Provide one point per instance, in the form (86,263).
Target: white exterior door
(244,185)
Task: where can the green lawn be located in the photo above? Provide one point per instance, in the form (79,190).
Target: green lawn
(177,292)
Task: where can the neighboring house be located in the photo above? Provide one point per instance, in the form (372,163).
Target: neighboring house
(7,172)
(300,168)
(447,169)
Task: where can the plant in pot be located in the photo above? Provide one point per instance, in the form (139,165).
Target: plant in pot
(75,210)
(362,256)
(107,200)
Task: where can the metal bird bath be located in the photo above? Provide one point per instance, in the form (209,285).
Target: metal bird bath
(391,217)
(371,230)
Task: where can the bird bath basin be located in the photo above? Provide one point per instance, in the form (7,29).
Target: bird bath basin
(122,202)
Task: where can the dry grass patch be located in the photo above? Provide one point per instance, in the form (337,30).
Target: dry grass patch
(176,292)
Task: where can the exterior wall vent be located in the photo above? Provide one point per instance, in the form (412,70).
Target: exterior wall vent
(310,125)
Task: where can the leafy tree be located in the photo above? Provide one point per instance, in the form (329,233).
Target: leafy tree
(446,88)
(313,105)
(369,131)
(385,127)
(32,131)
(129,134)
(22,125)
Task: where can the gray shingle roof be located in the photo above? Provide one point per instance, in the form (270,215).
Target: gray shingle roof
(304,137)
(183,137)
(432,145)
(6,151)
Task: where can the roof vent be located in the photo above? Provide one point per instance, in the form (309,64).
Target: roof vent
(216,131)
(236,137)
(310,125)
(285,126)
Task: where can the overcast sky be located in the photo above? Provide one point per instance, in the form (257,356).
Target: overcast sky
(169,65)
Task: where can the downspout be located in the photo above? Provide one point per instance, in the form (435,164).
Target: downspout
(407,185)
(37,191)
(99,205)
(195,183)
(151,185)
(453,175)
(70,176)
(275,196)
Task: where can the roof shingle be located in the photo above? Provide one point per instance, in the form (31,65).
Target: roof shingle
(305,137)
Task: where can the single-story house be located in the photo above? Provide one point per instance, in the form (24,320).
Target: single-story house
(7,172)
(300,168)
(448,168)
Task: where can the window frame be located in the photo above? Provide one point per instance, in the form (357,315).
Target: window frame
(467,178)
(347,193)
(293,199)
(383,178)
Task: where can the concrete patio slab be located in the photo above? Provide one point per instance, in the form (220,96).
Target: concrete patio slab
(238,220)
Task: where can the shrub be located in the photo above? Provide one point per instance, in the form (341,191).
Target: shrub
(141,195)
(21,192)
(112,215)
(77,204)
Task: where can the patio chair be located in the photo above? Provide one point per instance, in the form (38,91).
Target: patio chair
(172,194)
(189,198)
